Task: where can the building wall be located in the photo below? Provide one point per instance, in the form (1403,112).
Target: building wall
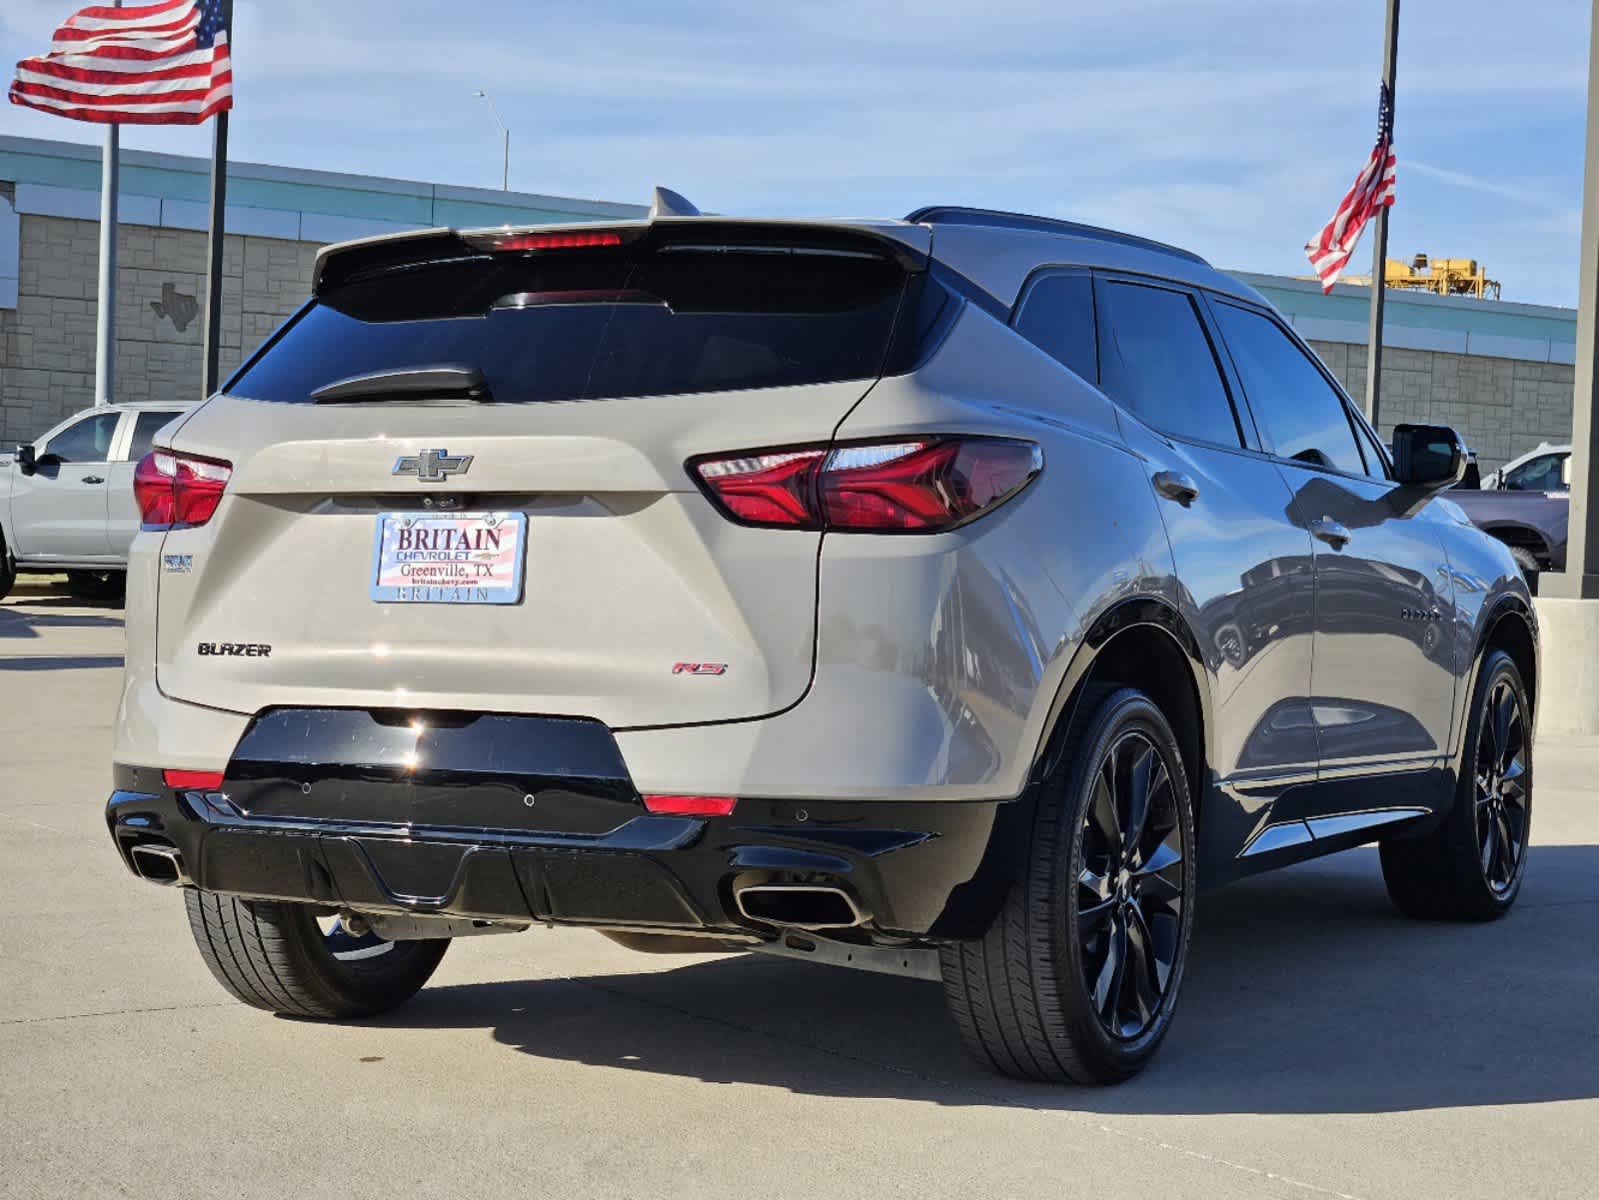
(47,353)
(1502,406)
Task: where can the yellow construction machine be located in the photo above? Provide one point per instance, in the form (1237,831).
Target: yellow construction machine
(1440,276)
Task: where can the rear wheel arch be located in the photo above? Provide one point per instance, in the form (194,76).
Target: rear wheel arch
(1146,644)
(1523,536)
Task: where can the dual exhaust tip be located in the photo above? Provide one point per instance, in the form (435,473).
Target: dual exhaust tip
(159,863)
(800,906)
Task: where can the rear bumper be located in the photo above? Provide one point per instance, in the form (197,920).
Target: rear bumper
(535,819)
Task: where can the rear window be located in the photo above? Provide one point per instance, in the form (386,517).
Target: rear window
(591,325)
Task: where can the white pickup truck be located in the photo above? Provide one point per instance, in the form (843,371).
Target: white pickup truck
(66,500)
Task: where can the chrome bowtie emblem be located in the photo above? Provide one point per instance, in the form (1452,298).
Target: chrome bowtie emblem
(433,466)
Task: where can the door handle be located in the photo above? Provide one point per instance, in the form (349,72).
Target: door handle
(93,479)
(1330,531)
(1176,486)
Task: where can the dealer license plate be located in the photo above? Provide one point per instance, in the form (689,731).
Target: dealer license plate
(458,558)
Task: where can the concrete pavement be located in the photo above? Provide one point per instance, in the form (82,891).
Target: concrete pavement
(1326,1046)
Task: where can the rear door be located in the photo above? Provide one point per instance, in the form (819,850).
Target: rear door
(1244,567)
(564,389)
(1384,670)
(59,512)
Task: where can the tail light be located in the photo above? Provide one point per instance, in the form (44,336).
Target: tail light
(178,491)
(913,485)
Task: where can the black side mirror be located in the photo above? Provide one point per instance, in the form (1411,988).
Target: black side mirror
(1428,456)
(25,460)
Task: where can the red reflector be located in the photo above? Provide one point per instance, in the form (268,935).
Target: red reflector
(177,491)
(691,806)
(549,241)
(200,780)
(911,485)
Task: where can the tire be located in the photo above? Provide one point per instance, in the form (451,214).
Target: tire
(1470,866)
(1021,995)
(278,958)
(8,569)
(108,586)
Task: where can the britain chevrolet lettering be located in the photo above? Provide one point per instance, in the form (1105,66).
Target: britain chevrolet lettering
(955,596)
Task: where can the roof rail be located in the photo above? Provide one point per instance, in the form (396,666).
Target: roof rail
(954,214)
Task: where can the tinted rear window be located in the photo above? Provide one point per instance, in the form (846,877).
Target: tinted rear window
(597,324)
(1058,318)
(1160,364)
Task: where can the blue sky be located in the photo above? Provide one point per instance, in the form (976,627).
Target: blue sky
(1227,126)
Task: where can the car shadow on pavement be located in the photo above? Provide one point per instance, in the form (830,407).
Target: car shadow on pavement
(25,620)
(1306,993)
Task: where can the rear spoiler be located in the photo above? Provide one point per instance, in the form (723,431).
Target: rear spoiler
(908,245)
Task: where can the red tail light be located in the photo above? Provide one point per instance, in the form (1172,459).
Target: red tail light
(915,485)
(178,491)
(576,240)
(691,806)
(207,781)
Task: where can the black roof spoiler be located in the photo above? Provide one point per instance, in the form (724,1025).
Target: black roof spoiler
(907,244)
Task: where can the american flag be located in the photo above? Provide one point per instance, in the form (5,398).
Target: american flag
(1330,249)
(154,64)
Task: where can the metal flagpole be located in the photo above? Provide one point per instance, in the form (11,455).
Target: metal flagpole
(105,334)
(1379,251)
(219,205)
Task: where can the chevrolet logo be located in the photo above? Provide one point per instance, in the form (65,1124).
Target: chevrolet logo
(433,466)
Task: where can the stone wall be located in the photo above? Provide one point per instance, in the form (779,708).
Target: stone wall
(47,344)
(1504,407)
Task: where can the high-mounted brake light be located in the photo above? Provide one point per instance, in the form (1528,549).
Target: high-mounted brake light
(178,491)
(909,485)
(207,781)
(546,241)
(691,806)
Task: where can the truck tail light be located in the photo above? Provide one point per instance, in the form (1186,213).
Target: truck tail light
(908,485)
(178,491)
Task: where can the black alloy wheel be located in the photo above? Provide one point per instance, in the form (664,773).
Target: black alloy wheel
(1077,978)
(1501,788)
(1469,864)
(1130,890)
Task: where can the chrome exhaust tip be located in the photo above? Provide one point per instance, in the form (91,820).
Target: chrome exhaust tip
(159,864)
(800,906)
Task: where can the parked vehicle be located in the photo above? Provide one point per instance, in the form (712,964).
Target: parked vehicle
(1525,504)
(950,597)
(66,500)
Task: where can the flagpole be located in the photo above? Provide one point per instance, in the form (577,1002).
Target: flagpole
(105,334)
(1379,250)
(219,205)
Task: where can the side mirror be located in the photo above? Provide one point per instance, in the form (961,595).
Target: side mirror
(1428,456)
(25,460)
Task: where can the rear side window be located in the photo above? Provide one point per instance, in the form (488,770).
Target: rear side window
(1300,414)
(1159,363)
(145,428)
(1057,316)
(597,324)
